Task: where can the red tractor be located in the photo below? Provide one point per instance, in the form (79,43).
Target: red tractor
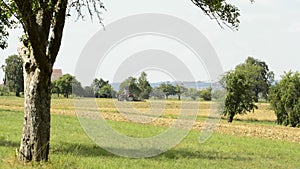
(126,96)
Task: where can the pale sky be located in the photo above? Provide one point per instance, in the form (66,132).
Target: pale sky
(269,31)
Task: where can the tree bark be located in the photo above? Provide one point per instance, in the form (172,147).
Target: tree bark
(43,23)
(36,129)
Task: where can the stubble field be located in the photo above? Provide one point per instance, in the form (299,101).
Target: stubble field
(253,139)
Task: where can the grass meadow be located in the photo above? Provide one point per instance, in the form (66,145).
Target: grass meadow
(252,141)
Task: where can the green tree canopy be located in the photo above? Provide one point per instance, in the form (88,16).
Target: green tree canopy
(262,76)
(97,85)
(144,85)
(192,93)
(157,93)
(243,86)
(106,91)
(285,99)
(206,94)
(65,85)
(240,97)
(14,74)
(168,89)
(180,89)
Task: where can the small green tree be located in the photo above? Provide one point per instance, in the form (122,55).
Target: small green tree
(106,91)
(192,93)
(157,93)
(285,99)
(206,94)
(168,89)
(97,85)
(14,74)
(180,89)
(88,91)
(65,85)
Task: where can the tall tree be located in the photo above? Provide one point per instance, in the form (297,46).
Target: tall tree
(14,74)
(240,97)
(244,85)
(43,23)
(180,89)
(144,85)
(97,85)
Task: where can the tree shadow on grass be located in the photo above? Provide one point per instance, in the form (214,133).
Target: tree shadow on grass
(205,154)
(78,149)
(90,150)
(8,143)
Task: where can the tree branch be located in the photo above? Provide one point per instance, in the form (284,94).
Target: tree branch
(220,11)
(31,27)
(57,31)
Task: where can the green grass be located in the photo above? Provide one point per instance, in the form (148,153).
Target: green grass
(72,148)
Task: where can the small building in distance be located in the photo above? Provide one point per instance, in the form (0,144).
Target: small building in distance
(56,73)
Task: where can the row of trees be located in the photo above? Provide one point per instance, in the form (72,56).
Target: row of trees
(142,89)
(68,84)
(248,83)
(99,88)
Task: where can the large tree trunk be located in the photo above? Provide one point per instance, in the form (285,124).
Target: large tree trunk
(230,118)
(43,23)
(36,130)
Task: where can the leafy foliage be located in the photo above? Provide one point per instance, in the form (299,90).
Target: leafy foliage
(140,87)
(244,85)
(220,10)
(180,89)
(65,84)
(102,89)
(14,74)
(262,76)
(206,94)
(144,85)
(285,99)
(240,97)
(157,93)
(193,93)
(168,89)
(106,91)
